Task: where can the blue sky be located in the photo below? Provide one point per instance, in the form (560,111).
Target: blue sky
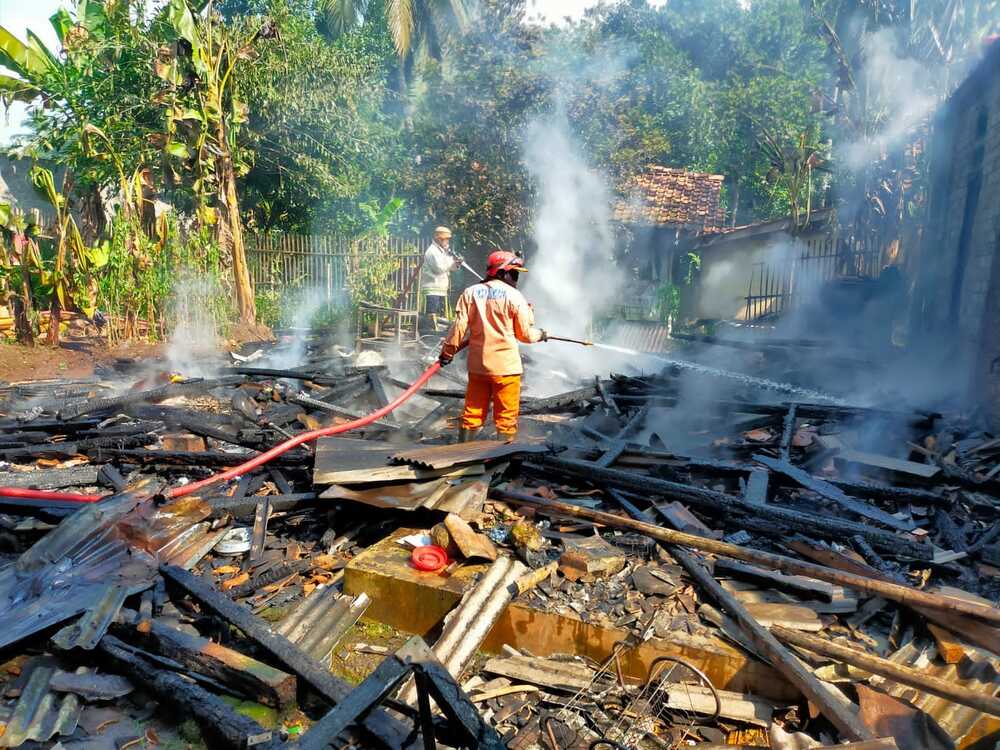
(19,15)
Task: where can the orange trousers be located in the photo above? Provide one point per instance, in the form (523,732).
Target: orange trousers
(503,391)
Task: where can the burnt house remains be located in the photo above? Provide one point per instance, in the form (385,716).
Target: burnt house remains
(956,301)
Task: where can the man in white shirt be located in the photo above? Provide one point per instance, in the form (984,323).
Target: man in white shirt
(439,262)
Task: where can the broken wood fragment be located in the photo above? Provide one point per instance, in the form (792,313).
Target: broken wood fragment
(949,647)
(256,680)
(229,728)
(389,730)
(473,546)
(830,492)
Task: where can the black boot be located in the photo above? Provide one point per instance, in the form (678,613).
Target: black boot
(467,436)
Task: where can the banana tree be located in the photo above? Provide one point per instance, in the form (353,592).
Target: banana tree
(203,122)
(17,266)
(70,278)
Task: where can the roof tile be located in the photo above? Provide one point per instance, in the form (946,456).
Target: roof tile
(663,196)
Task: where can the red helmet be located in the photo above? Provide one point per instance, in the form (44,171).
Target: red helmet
(503,260)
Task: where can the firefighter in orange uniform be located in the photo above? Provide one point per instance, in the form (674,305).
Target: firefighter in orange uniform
(496,316)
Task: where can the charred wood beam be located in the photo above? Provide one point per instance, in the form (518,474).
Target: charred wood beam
(381,397)
(92,447)
(314,376)
(722,467)
(779,519)
(247,506)
(947,689)
(254,679)
(152,395)
(53,426)
(906,595)
(787,432)
(349,388)
(196,458)
(433,680)
(387,730)
(214,716)
(315,404)
(198,424)
(51,479)
(825,489)
(561,401)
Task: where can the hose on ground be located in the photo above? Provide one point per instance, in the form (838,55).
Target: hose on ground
(253,463)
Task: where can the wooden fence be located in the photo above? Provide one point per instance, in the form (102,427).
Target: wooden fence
(287,262)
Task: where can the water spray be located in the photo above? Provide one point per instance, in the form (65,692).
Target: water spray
(806,394)
(470,269)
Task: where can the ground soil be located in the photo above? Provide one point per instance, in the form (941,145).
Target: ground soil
(73,359)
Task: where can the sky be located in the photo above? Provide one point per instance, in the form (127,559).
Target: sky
(19,15)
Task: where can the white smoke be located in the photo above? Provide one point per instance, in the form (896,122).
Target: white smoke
(573,276)
(193,349)
(308,303)
(903,89)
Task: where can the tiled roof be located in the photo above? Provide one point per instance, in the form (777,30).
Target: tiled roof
(662,196)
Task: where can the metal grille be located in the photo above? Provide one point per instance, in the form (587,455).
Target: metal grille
(782,284)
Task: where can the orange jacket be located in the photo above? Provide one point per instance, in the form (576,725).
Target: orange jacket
(496,316)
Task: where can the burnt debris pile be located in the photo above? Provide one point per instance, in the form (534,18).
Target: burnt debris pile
(774,573)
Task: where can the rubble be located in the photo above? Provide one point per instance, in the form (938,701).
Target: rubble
(779,583)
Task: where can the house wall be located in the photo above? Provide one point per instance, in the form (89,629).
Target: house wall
(957,310)
(16,187)
(728,264)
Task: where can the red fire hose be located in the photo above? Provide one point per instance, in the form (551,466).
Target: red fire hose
(253,463)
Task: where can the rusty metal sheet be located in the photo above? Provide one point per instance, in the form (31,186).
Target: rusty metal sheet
(89,629)
(477,451)
(977,671)
(463,496)
(41,714)
(322,620)
(106,544)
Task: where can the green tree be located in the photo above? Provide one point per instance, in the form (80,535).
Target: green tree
(418,27)
(465,146)
(319,139)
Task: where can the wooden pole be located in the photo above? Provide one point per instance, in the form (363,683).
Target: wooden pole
(887,590)
(904,675)
(839,714)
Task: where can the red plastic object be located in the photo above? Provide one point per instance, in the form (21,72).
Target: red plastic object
(430,558)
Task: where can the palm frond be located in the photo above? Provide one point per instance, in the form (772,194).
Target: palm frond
(335,17)
(400,16)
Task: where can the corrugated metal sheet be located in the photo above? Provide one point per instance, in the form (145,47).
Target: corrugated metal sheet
(103,546)
(89,629)
(188,548)
(41,714)
(639,335)
(321,620)
(477,451)
(977,671)
(463,496)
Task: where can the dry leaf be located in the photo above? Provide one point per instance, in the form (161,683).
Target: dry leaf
(226,570)
(758,436)
(234,582)
(47,463)
(151,736)
(308,588)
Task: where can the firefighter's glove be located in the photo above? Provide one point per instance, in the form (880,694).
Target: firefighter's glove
(545,335)
(444,360)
